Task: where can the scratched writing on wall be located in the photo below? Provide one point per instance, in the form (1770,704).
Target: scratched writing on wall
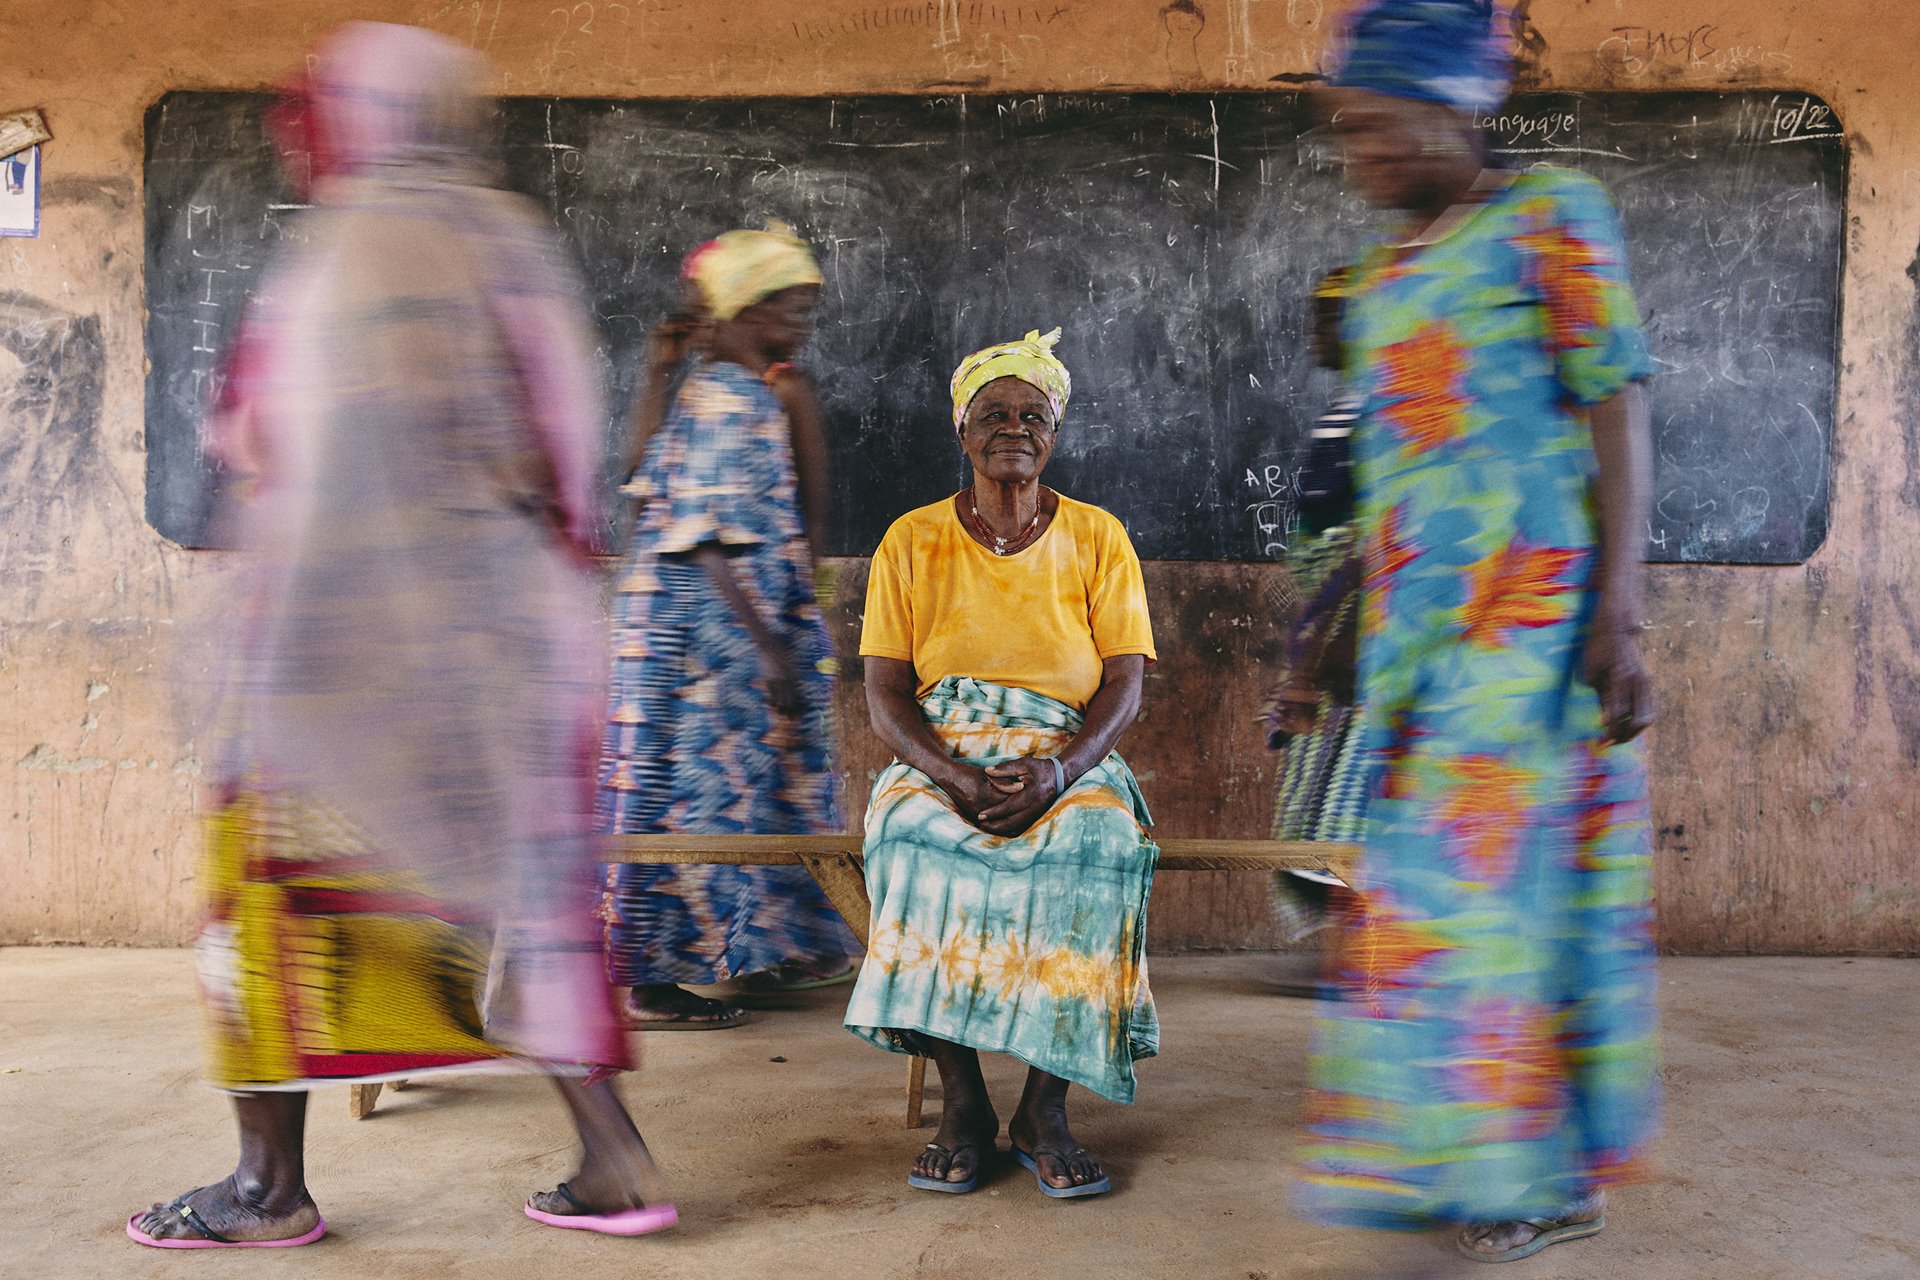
(1637,52)
(942,17)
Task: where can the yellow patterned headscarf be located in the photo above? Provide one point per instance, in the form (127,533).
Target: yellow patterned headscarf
(1031,360)
(742,267)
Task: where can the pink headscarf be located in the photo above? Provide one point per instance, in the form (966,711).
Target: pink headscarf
(387,95)
(393,103)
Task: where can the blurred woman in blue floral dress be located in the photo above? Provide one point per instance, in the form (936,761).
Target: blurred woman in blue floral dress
(1492,1060)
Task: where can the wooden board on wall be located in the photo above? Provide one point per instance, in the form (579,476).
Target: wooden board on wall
(1174,237)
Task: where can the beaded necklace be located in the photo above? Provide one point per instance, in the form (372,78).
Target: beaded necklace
(1004,546)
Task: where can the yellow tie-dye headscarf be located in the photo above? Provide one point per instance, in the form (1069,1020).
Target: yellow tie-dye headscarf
(1031,360)
(742,267)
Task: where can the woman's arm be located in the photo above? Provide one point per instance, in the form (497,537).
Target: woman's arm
(1622,494)
(808,425)
(1029,787)
(667,346)
(894,709)
(776,664)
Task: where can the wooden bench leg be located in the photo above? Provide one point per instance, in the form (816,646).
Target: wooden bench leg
(840,877)
(916,1086)
(360,1100)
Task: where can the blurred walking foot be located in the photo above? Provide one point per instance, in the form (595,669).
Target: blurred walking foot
(802,975)
(1512,1241)
(666,1007)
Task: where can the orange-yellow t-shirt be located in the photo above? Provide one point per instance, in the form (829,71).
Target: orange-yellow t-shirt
(1042,619)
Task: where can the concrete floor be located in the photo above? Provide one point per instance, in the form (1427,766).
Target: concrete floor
(1792,1149)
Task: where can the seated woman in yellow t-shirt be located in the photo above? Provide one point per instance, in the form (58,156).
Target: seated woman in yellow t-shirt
(1005,639)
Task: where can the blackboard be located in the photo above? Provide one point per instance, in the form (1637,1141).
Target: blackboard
(1172,236)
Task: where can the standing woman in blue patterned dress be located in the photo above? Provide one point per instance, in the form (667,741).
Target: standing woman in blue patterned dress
(718,721)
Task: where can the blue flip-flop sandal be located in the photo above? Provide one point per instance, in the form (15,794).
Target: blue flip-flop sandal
(942,1185)
(1028,1159)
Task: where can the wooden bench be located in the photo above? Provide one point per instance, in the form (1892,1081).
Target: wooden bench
(834,862)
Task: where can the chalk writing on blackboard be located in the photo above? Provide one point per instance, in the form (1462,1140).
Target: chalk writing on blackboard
(1803,120)
(1174,237)
(1275,486)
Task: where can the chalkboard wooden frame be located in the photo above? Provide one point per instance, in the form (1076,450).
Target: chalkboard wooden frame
(1172,236)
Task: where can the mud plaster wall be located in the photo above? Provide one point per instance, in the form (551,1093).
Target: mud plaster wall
(1791,733)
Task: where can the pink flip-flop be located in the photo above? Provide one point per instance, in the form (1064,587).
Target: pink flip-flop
(211,1239)
(628,1222)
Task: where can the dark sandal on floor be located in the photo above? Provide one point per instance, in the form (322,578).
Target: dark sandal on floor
(1552,1231)
(707,1015)
(920,1183)
(799,977)
(1031,1160)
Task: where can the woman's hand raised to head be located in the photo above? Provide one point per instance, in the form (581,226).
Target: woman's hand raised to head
(674,339)
(670,342)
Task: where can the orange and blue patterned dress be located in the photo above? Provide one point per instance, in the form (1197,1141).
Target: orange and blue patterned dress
(692,745)
(1493,1054)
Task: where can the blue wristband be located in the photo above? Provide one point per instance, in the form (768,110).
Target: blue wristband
(1059,775)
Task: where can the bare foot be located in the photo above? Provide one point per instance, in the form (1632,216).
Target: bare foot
(228,1209)
(616,1171)
(582,1194)
(968,1127)
(1040,1129)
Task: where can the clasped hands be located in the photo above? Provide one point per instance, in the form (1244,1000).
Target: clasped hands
(1003,799)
